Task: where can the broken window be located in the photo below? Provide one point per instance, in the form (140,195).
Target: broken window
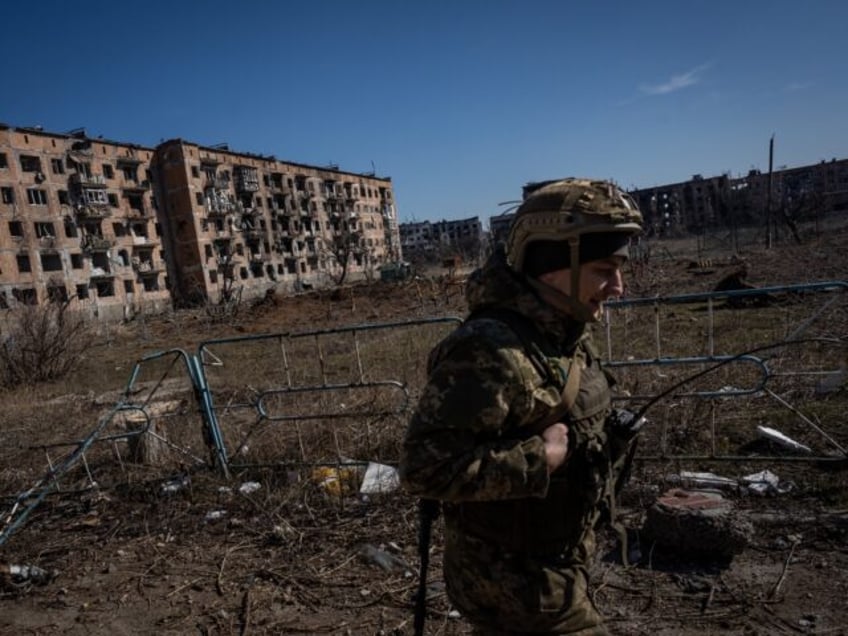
(95,197)
(82,291)
(130,173)
(23,262)
(7,195)
(84,169)
(25,295)
(64,199)
(112,198)
(105,288)
(129,288)
(136,202)
(93,228)
(70,228)
(213,277)
(246,178)
(36,196)
(57,293)
(151,283)
(16,229)
(108,171)
(51,262)
(195,172)
(44,229)
(76,261)
(139,229)
(30,163)
(57,166)
(198,198)
(4,163)
(119,229)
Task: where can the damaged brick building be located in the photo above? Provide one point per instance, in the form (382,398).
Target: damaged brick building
(117,227)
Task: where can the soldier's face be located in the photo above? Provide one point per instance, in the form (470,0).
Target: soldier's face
(599,281)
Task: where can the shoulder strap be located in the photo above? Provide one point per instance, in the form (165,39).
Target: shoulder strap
(567,379)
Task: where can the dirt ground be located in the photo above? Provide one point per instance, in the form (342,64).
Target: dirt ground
(289,558)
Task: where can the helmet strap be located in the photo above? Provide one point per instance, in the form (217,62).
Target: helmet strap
(574,249)
(565,303)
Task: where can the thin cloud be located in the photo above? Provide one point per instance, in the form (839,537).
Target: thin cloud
(793,87)
(676,82)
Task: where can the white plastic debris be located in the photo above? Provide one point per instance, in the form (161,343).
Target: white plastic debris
(379,478)
(215,515)
(27,573)
(175,485)
(249,486)
(765,482)
(779,438)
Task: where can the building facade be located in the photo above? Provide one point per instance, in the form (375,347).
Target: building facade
(115,227)
(249,223)
(801,193)
(78,222)
(463,237)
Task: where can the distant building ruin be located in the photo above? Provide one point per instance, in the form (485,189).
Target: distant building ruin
(115,227)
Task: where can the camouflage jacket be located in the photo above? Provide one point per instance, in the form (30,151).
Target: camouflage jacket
(474,440)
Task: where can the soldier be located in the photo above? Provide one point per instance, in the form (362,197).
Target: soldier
(514,433)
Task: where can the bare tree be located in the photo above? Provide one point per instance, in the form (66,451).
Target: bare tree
(41,343)
(345,246)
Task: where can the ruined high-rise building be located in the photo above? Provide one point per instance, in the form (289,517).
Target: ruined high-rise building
(116,227)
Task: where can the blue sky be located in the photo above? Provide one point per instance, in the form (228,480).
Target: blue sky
(460,102)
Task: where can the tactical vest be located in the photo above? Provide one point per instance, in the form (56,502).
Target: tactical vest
(562,523)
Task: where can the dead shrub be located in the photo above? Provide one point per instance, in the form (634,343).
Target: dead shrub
(41,343)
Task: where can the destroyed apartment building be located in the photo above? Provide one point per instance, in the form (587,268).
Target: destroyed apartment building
(116,228)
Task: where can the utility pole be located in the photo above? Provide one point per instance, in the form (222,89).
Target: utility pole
(769,220)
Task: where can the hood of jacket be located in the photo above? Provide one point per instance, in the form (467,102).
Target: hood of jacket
(496,285)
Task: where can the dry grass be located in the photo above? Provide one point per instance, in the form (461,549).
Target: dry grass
(288,558)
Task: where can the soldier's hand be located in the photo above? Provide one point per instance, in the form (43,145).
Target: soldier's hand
(556,445)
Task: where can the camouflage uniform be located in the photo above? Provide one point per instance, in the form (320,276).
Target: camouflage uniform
(517,542)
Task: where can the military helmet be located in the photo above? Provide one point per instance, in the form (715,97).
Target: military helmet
(567,209)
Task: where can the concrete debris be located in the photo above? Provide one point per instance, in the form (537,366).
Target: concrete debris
(832,382)
(383,559)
